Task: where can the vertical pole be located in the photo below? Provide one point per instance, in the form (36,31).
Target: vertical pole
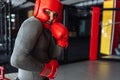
(5,29)
(94,33)
(65,22)
(1,73)
(9,28)
(116,30)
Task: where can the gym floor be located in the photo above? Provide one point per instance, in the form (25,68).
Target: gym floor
(86,70)
(90,70)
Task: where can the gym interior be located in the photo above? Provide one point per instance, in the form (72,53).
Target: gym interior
(94,38)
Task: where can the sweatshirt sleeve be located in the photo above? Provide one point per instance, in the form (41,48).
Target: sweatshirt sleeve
(55,50)
(25,41)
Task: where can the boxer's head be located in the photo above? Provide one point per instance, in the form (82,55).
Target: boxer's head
(48,11)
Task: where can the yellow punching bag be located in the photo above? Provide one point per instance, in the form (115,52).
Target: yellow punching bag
(106,31)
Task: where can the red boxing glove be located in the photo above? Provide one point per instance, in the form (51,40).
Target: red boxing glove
(50,69)
(60,33)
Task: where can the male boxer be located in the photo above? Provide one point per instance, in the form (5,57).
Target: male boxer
(39,42)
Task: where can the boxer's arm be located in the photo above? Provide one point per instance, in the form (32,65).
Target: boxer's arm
(55,50)
(25,41)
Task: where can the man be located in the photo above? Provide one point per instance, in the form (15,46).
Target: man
(39,42)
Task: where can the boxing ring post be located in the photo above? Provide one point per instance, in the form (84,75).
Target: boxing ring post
(94,33)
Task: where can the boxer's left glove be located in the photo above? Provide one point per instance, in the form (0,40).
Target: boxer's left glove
(50,69)
(60,33)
